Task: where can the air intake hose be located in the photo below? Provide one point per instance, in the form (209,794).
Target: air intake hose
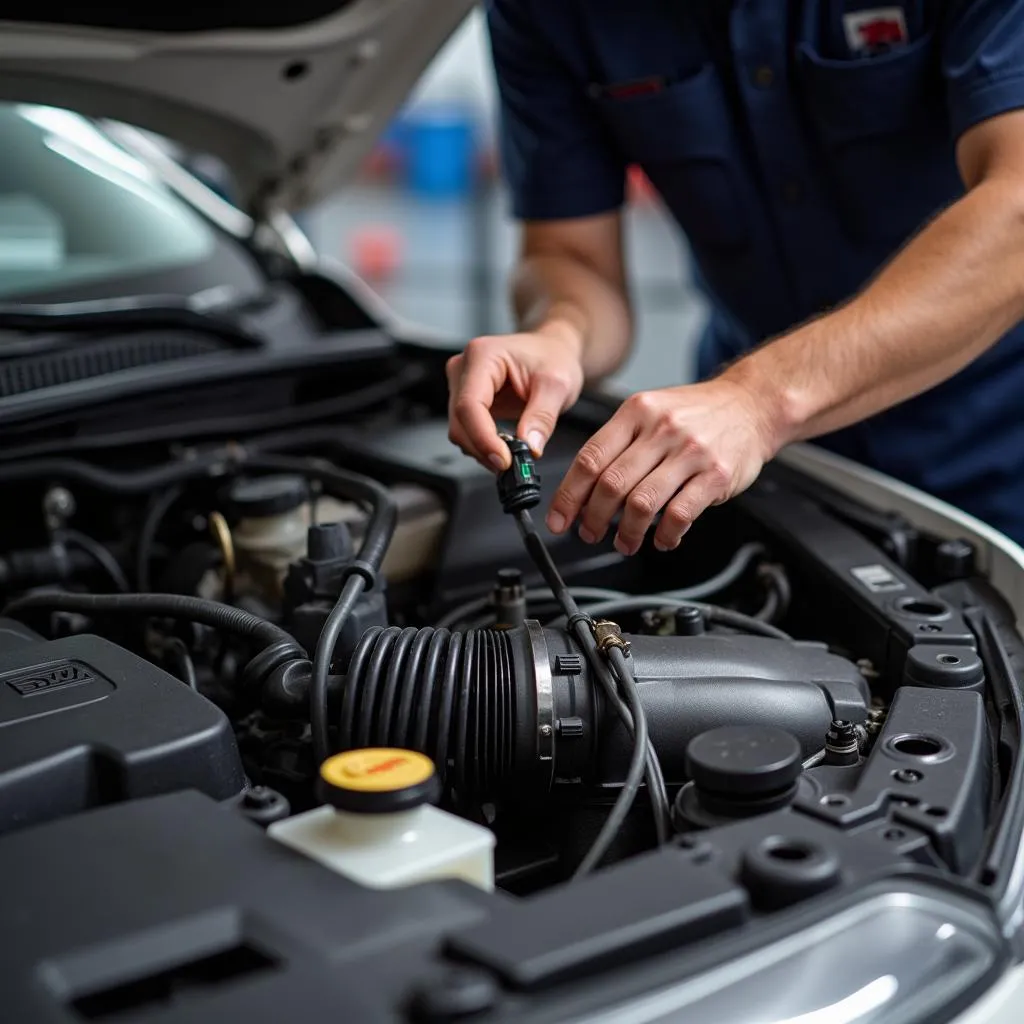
(517,710)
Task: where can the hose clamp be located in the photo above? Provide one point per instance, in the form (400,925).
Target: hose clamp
(609,635)
(545,699)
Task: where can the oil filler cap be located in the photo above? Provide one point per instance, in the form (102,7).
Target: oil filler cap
(378,780)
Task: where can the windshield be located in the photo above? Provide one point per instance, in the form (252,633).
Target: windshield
(77,210)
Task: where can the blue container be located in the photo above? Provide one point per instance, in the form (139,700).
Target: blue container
(440,149)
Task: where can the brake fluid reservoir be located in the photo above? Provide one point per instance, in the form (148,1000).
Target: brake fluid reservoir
(378,826)
(271,525)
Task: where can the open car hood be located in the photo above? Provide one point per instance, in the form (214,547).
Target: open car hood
(290,98)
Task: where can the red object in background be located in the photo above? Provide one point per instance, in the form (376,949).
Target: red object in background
(638,186)
(376,252)
(881,32)
(384,163)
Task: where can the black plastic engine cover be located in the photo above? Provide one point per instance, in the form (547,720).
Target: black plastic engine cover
(84,722)
(178,910)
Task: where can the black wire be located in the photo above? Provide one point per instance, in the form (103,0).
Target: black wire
(329,637)
(620,809)
(712,612)
(186,667)
(779,593)
(158,509)
(634,719)
(99,554)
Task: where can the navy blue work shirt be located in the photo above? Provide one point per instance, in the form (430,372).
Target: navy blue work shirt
(797,144)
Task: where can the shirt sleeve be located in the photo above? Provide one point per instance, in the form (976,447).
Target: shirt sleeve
(983,60)
(557,156)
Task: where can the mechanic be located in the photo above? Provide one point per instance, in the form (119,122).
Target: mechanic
(850,177)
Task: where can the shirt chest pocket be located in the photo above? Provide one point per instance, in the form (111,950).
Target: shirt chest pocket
(682,137)
(882,131)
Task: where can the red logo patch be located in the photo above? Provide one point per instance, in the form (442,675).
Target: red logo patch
(875,30)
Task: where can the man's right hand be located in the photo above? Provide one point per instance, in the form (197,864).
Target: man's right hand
(532,377)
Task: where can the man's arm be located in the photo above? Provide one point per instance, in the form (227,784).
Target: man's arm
(948,296)
(573,272)
(570,299)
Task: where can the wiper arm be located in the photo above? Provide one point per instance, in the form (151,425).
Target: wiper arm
(131,313)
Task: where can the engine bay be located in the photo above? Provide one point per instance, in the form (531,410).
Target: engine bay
(805,697)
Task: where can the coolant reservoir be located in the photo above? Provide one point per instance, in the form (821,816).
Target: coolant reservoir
(378,827)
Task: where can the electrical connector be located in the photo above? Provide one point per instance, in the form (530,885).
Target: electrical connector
(519,485)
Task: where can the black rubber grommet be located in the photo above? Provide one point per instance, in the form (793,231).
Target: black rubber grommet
(782,870)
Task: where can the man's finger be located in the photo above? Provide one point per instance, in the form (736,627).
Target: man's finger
(590,462)
(614,486)
(646,499)
(483,375)
(456,432)
(698,493)
(547,399)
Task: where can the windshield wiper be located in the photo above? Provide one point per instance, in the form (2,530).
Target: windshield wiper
(144,312)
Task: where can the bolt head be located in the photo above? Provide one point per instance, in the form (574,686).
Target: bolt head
(545,730)
(259,796)
(462,992)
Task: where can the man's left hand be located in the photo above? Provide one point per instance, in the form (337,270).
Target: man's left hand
(681,449)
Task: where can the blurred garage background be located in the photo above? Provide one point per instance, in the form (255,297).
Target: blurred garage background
(428,224)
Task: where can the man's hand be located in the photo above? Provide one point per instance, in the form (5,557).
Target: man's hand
(685,448)
(533,377)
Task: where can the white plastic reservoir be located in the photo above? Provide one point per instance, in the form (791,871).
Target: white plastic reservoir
(379,829)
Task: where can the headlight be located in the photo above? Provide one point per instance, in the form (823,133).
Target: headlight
(896,958)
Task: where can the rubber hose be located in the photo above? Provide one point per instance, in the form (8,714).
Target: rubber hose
(173,606)
(141,482)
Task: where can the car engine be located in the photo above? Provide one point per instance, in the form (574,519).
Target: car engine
(805,695)
(228,617)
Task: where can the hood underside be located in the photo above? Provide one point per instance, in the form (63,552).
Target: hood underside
(291,99)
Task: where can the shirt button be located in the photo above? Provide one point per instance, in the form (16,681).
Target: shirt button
(764,77)
(792,192)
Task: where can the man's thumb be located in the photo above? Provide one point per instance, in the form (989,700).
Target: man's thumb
(545,404)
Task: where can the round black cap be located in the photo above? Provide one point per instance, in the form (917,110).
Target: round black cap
(258,496)
(954,559)
(744,760)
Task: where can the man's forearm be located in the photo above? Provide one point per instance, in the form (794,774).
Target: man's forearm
(577,305)
(948,296)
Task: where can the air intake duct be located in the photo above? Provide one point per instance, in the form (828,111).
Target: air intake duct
(517,710)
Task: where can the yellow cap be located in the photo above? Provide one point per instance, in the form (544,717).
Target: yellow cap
(378,780)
